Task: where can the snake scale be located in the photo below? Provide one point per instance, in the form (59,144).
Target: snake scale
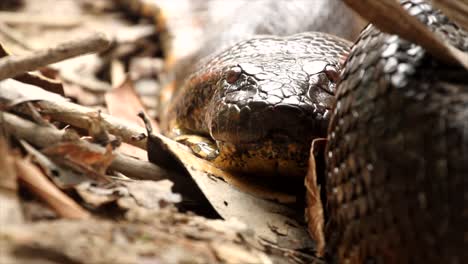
(397,153)
(396,121)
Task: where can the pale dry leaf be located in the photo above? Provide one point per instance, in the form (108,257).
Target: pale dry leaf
(17,92)
(152,194)
(314,213)
(132,195)
(234,197)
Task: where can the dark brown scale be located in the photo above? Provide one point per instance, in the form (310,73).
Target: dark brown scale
(397,157)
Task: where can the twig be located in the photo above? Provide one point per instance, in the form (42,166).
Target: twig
(79,116)
(47,136)
(12,66)
(38,183)
(70,113)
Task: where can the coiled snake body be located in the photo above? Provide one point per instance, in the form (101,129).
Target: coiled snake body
(398,150)
(398,141)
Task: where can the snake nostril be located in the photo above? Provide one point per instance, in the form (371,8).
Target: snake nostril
(233,74)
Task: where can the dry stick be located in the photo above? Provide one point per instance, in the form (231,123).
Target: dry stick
(46,136)
(390,17)
(12,66)
(38,183)
(70,113)
(79,116)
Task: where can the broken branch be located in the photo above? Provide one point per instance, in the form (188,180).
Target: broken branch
(46,136)
(14,65)
(39,184)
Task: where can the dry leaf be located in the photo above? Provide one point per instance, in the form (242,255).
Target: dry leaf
(62,177)
(92,163)
(235,197)
(17,92)
(314,212)
(151,194)
(123,102)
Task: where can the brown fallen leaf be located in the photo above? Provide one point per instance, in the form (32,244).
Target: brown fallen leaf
(123,102)
(64,178)
(234,196)
(38,183)
(314,212)
(73,154)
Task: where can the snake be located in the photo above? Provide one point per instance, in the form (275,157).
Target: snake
(264,88)
(395,119)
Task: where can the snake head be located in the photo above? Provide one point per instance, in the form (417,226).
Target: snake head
(286,100)
(264,100)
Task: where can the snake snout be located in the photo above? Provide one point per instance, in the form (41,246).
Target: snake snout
(251,109)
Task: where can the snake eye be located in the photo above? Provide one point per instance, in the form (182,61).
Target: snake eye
(332,73)
(233,74)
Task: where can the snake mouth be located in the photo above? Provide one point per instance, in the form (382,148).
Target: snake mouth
(260,121)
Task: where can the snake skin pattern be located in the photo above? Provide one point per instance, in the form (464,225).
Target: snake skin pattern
(265,91)
(397,157)
(263,99)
